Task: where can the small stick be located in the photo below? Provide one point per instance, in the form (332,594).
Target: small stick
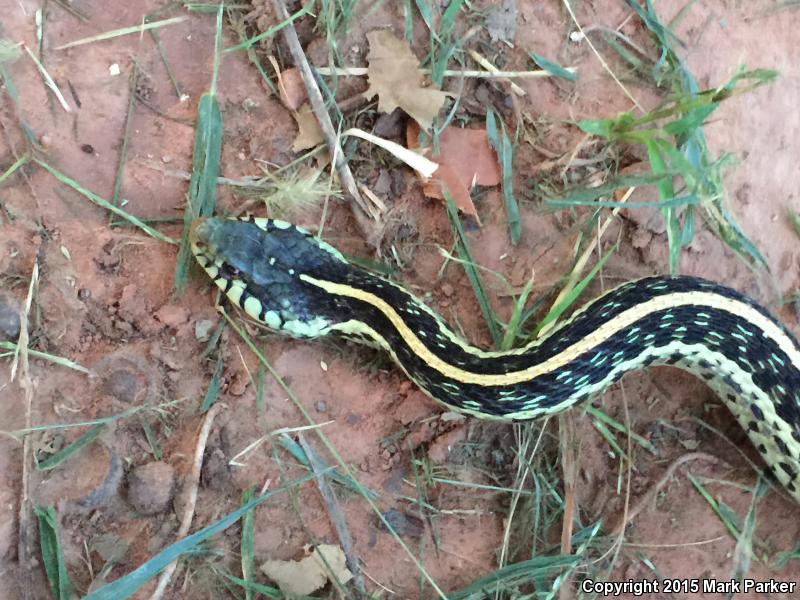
(26,383)
(336,514)
(490,68)
(642,503)
(190,493)
(469,74)
(358,206)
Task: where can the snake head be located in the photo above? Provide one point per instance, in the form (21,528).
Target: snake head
(263,266)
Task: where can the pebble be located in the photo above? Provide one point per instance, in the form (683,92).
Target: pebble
(321,406)
(9,317)
(202,329)
(447,289)
(151,487)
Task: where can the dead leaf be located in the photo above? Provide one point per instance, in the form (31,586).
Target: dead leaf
(292,89)
(303,577)
(309,133)
(501,21)
(394,75)
(465,159)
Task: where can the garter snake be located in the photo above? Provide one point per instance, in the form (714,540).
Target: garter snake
(284,277)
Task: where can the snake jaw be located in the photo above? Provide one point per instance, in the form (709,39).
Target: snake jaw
(254,262)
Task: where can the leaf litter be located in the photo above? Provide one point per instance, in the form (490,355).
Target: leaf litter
(394,75)
(305,576)
(465,159)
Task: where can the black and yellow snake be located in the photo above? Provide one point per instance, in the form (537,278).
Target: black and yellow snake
(299,285)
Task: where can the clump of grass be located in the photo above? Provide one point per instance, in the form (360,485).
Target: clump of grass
(294,194)
(688,179)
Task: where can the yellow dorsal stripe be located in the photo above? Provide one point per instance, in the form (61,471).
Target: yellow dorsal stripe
(763,325)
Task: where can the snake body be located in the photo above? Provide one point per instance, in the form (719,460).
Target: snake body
(284,277)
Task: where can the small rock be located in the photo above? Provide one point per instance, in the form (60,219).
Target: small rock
(383,184)
(172,315)
(122,385)
(9,317)
(239,383)
(216,473)
(151,487)
(292,89)
(202,329)
(447,289)
(321,406)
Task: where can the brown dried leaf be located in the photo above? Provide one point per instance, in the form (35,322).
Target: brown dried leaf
(309,133)
(303,577)
(465,158)
(394,75)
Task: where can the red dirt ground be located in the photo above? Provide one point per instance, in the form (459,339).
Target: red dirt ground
(105,300)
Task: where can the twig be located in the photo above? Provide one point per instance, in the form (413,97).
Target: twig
(49,81)
(490,68)
(467,73)
(25,382)
(570,461)
(650,494)
(190,495)
(358,206)
(335,511)
(600,56)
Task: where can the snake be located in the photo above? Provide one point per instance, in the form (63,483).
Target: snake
(295,283)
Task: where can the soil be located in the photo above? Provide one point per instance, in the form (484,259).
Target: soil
(105,300)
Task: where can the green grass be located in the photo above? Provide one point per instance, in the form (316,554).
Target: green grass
(504,148)
(673,137)
(129,584)
(205,165)
(55,565)
(70,450)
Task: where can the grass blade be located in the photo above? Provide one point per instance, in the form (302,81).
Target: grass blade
(505,155)
(56,360)
(65,453)
(53,553)
(248,544)
(794,217)
(614,424)
(515,575)
(472,272)
(123,31)
(205,167)
(300,456)
(214,386)
(21,161)
(554,69)
(565,303)
(103,203)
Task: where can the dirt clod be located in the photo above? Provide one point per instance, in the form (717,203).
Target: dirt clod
(151,487)
(9,317)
